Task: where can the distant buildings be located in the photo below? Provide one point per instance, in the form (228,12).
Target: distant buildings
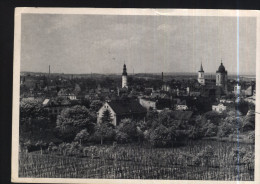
(182,105)
(133,99)
(219,108)
(67,93)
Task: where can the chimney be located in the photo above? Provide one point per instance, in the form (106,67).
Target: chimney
(49,69)
(162,76)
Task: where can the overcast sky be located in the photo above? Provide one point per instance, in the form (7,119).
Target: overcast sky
(101,44)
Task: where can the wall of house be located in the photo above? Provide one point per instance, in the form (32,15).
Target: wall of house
(181,107)
(219,108)
(102,110)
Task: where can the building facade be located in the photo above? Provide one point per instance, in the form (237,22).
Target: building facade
(219,108)
(201,78)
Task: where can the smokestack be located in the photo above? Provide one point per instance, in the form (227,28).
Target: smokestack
(162,76)
(49,69)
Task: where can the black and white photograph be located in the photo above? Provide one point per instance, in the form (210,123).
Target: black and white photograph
(142,95)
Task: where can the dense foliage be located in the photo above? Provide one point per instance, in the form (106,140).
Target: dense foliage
(72,120)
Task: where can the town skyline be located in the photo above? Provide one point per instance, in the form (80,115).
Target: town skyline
(81,44)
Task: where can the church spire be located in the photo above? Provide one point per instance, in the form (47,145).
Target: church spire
(201,78)
(201,68)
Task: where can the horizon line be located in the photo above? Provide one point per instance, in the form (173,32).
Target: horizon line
(129,73)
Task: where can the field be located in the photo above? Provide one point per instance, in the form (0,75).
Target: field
(143,162)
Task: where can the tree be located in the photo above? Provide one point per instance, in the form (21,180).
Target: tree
(83,135)
(106,116)
(126,131)
(72,120)
(224,129)
(77,88)
(214,117)
(103,130)
(248,122)
(159,137)
(168,130)
(41,144)
(95,105)
(197,130)
(243,107)
(32,115)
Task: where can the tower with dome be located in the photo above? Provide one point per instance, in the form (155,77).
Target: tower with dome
(124,78)
(221,76)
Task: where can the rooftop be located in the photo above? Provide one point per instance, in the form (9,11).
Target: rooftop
(126,106)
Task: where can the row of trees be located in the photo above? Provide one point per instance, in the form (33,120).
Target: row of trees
(78,123)
(160,129)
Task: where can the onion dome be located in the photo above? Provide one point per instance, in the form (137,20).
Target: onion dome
(221,68)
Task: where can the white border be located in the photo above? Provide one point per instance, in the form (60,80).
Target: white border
(109,11)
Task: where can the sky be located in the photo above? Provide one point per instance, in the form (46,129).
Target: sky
(82,44)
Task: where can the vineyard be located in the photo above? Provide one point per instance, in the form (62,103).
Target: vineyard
(195,161)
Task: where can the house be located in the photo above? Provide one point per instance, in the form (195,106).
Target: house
(166,87)
(249,91)
(148,91)
(55,106)
(250,99)
(223,101)
(194,93)
(182,105)
(148,103)
(67,93)
(121,109)
(156,104)
(219,108)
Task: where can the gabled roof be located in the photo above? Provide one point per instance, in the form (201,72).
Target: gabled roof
(126,106)
(58,102)
(183,102)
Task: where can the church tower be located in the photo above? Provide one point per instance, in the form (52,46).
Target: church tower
(124,77)
(221,76)
(201,78)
